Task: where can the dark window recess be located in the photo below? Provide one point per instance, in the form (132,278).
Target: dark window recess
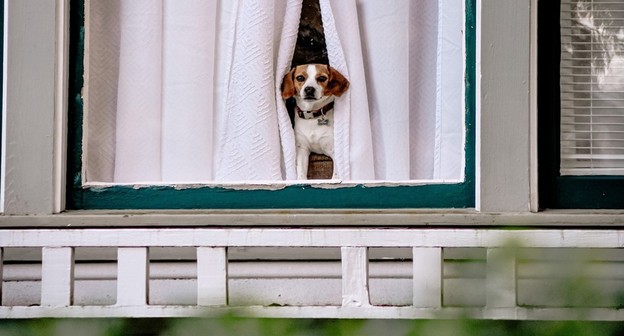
(558,191)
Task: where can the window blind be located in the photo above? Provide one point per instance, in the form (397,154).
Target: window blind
(592,87)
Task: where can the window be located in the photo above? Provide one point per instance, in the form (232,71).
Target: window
(581,90)
(105,139)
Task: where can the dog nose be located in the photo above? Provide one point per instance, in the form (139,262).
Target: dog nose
(309,91)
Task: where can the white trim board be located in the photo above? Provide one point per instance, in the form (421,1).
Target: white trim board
(312,238)
(30,101)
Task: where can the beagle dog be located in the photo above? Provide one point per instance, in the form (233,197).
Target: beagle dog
(314,87)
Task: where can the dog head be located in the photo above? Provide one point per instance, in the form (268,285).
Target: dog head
(311,83)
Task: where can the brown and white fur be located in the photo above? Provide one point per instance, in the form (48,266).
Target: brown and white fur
(314,87)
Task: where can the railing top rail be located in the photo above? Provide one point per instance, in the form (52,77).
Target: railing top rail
(322,237)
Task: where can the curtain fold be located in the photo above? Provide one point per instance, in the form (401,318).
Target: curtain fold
(100,91)
(423,57)
(450,116)
(188,71)
(188,91)
(353,148)
(249,145)
(139,103)
(288,37)
(387,64)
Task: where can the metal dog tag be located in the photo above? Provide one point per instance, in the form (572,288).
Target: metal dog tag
(323,121)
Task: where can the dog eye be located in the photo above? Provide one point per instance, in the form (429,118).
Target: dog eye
(300,78)
(321,79)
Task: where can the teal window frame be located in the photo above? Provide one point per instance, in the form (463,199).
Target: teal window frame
(456,195)
(557,191)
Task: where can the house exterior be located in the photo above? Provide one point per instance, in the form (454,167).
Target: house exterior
(503,257)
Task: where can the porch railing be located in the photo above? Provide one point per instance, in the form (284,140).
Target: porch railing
(211,246)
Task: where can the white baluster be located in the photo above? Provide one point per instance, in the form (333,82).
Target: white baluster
(212,276)
(57,276)
(501,278)
(1,272)
(132,276)
(355,277)
(427,263)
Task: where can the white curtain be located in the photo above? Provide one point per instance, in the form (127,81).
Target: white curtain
(149,115)
(414,60)
(188,90)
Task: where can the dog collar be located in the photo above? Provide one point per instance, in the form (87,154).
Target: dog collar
(314,113)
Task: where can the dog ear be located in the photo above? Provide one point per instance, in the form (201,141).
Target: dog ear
(288,85)
(337,84)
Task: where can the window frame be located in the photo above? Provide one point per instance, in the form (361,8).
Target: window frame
(443,195)
(505,144)
(557,191)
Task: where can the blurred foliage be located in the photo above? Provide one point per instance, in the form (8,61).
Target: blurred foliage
(301,327)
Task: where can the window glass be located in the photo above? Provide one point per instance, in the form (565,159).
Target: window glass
(189,91)
(580,116)
(179,105)
(592,87)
